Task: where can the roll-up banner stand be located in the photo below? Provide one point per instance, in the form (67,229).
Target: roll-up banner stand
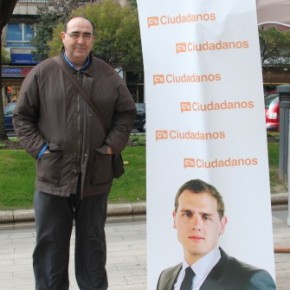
(205,119)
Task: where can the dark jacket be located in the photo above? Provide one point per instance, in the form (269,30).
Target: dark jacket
(50,111)
(227,274)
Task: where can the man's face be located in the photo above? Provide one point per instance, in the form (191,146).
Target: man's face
(198,224)
(78,40)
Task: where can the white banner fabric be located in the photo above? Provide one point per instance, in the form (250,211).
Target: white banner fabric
(205,119)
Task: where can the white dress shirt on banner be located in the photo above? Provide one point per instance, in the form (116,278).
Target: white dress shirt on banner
(201,269)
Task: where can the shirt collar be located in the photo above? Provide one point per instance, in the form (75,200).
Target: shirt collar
(204,265)
(84,67)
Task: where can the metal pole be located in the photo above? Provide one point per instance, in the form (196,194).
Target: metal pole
(288,171)
(284,138)
(284,103)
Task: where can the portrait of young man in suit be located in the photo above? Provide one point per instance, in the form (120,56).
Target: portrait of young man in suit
(199,221)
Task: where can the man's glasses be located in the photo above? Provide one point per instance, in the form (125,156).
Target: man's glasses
(76,35)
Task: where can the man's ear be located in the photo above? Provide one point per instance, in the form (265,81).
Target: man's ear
(174,215)
(224,221)
(62,35)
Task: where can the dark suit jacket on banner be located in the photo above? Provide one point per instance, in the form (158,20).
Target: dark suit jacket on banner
(227,274)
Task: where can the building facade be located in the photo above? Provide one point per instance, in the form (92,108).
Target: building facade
(16,37)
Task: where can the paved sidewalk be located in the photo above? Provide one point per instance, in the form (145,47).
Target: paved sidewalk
(282,239)
(126,237)
(126,263)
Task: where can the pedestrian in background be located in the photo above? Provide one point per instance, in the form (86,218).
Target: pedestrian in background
(74,154)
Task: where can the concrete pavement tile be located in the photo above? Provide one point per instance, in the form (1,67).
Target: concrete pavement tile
(136,279)
(117,281)
(129,287)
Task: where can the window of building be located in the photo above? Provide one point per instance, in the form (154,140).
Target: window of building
(19,34)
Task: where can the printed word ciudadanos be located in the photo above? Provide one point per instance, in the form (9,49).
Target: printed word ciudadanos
(185,78)
(210,46)
(180,19)
(188,135)
(216,106)
(218,163)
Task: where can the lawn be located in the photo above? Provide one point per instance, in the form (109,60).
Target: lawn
(17,171)
(277,185)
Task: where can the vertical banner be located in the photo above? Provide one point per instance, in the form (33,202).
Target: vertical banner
(205,119)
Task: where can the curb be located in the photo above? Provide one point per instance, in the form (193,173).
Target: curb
(115,211)
(279,199)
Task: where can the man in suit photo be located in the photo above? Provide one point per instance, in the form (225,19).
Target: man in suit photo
(199,221)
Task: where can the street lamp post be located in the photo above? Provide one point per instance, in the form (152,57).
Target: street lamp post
(284,138)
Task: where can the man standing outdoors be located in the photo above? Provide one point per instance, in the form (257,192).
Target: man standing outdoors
(199,220)
(74,153)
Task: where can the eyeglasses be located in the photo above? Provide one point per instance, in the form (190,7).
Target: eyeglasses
(76,35)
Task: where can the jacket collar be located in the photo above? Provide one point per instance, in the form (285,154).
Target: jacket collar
(171,279)
(83,68)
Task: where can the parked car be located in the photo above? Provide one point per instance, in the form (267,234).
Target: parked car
(140,120)
(272,110)
(8,112)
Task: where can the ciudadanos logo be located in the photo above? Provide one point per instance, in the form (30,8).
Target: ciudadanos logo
(153,21)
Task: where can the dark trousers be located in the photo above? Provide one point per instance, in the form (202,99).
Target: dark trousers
(54,218)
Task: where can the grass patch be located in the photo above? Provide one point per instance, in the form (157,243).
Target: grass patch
(17,171)
(276,185)
(17,179)
(131,186)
